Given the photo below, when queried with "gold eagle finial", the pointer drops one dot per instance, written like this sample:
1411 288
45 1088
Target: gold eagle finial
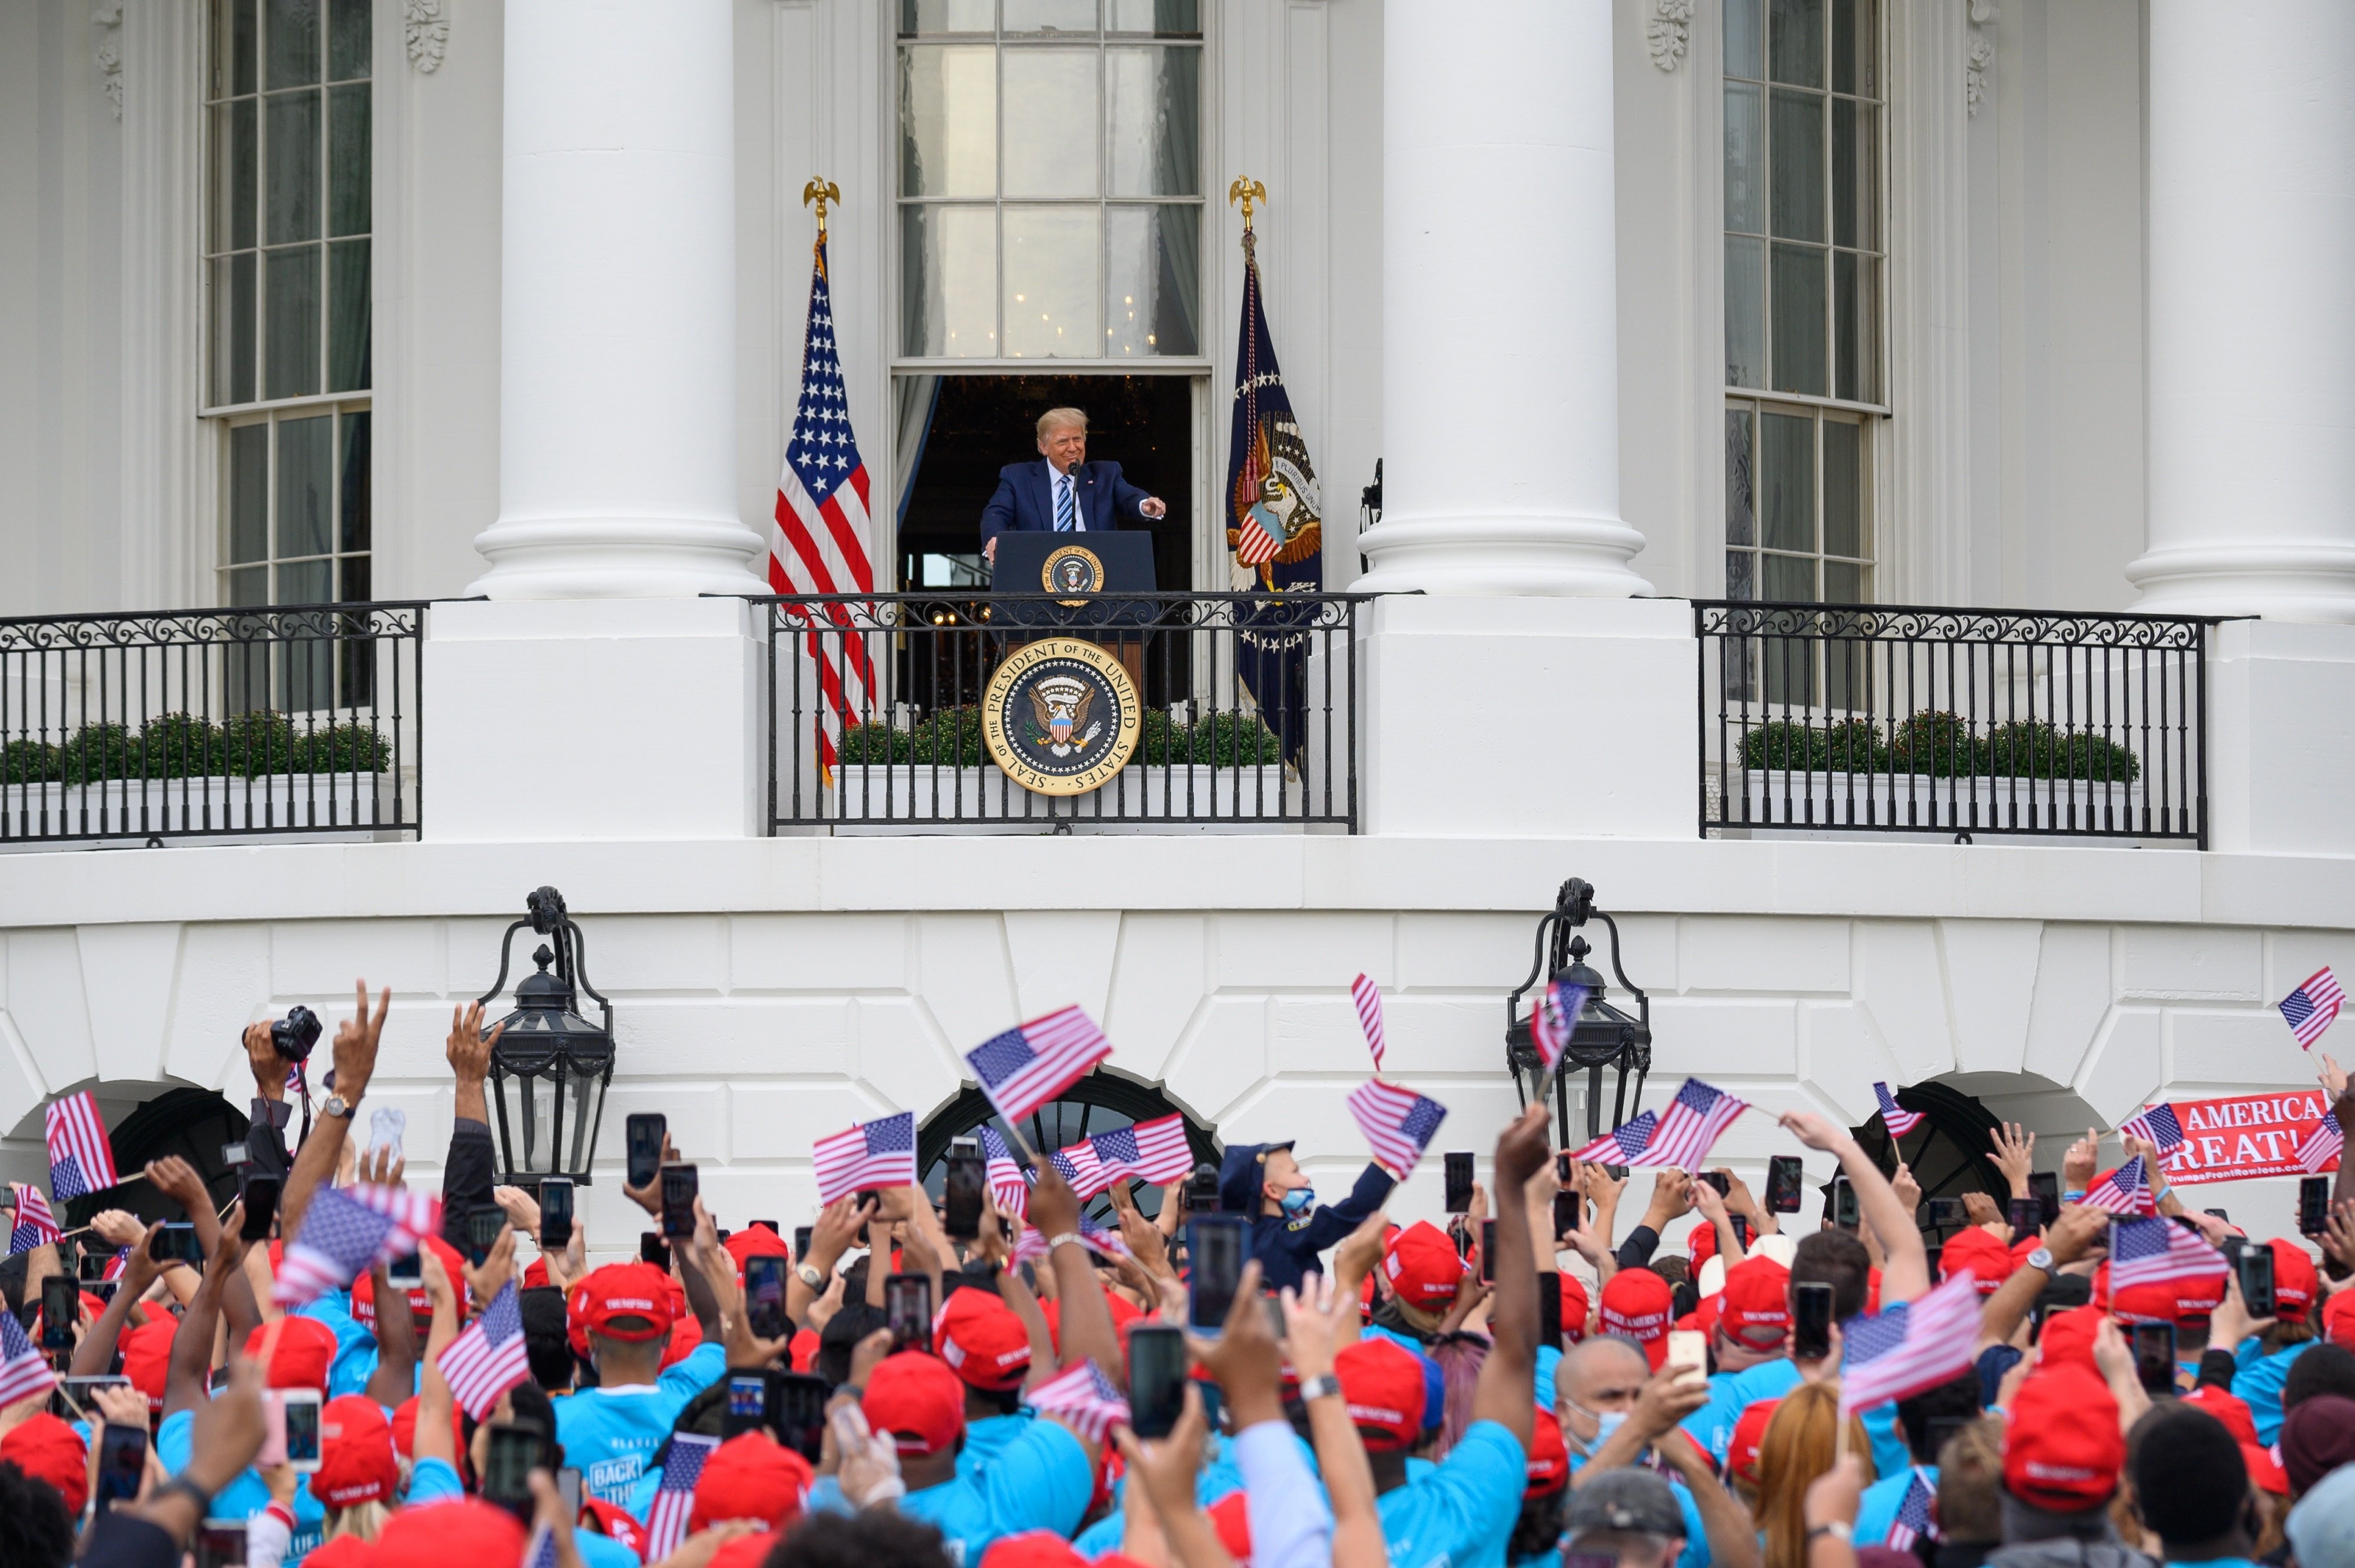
821 191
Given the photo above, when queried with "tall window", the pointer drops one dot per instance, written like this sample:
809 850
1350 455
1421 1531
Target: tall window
1050 185
1803 281
287 286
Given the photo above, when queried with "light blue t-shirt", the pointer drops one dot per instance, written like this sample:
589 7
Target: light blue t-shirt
2259 1382
244 1496
985 1438
1730 1393
609 1434
434 1481
355 1348
1461 1515
1040 1480
1876 1510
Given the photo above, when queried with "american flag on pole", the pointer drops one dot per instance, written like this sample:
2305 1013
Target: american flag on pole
1914 1345
1690 1124
35 1226
1090 1403
1913 1522
118 1263
1008 1187
821 542
489 1358
2156 1125
1368 998
1398 1123
2126 1191
23 1371
1154 1151
2318 1153
1081 1168
2310 1008
82 1159
1895 1117
675 1494
1031 1246
2157 1251
870 1154
1622 1144
348 1229
1031 1063
1553 1018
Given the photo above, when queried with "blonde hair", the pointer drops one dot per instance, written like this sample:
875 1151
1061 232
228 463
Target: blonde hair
1055 418
363 1520
1798 1448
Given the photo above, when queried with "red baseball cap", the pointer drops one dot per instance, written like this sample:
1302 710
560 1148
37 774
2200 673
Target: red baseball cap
420 1305
2227 1407
917 1399
341 1552
1032 1549
49 1450
1872 1290
1422 1266
306 1349
744 1552
2296 1283
1754 1309
750 1475
1700 1244
404 1431
2063 1449
982 1339
755 1240
463 1529
356 1459
1977 1251
2265 1472
147 1357
628 1301
2339 1318
1575 1307
1749 1433
1549 1467
1638 1303
1381 1384
685 1338
535 1274
2068 1337
613 1520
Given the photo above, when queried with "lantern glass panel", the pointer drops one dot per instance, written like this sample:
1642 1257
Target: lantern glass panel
539 1124
584 1091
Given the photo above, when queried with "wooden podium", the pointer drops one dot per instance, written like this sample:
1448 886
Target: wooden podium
1084 571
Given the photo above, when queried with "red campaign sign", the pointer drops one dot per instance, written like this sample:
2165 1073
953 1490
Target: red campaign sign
2241 1136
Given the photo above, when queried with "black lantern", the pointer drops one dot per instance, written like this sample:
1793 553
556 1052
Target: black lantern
1602 1038
550 1067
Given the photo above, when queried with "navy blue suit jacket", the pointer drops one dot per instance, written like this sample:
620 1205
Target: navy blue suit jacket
1026 503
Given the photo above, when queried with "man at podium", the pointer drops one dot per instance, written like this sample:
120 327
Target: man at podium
1063 492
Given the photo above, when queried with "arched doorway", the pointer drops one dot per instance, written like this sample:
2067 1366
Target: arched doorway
1097 1103
188 1122
1949 1153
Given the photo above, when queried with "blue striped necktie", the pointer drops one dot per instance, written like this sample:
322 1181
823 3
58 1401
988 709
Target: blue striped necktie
1064 521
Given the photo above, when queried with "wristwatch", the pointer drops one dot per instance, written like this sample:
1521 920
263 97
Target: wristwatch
1318 1387
2041 1260
337 1106
188 1488
811 1277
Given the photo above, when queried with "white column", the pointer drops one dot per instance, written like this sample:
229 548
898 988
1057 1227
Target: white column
617 339
2252 400
1500 353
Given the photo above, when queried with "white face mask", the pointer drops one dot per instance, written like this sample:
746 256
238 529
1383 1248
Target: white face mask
1607 1422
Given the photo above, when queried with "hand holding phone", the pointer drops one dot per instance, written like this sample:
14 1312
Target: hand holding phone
261 1208
1156 1378
680 1183
908 1311
961 1189
643 1136
1785 1175
1459 1181
1811 1320
60 1310
555 1214
764 1297
1218 1245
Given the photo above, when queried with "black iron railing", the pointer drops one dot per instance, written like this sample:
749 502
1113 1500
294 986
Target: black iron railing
1907 718
1247 710
186 724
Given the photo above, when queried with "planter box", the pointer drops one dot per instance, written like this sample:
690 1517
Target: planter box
1838 803
298 806
903 797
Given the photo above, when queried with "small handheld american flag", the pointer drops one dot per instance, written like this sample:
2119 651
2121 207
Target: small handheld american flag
1914 1345
1368 998
1031 1247
1086 1399
1081 1168
2310 1008
2126 1191
2157 1251
1154 1151
23 1371
2322 1147
1008 1187
489 1358
675 1494
1030 1064
82 1159
871 1154
1553 1020
1398 1123
1895 1117
35 1226
1623 1144
348 1229
1690 1125
1913 1522
2156 1125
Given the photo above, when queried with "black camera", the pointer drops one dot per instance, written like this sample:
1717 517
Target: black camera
293 1035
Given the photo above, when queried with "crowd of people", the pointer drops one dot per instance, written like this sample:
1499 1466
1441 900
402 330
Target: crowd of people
1377 1394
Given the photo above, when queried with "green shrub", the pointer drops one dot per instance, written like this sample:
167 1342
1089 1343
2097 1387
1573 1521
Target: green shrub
1943 745
98 752
183 746
352 748
28 762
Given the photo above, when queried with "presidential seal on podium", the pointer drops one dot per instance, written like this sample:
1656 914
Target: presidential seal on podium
1060 717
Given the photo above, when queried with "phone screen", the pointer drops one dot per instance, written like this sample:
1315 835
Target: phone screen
679 1185
483 1227
2154 1352
2313 1205
2044 1186
801 1243
643 1133
748 1401
764 1297
1688 1348
1550 1309
1844 1211
2025 1216
302 1428
555 1214
122 1463
961 1194
1720 1180
176 1242
507 1472
1565 1213
220 1543
2255 1266
1219 1246
1811 1320
1945 1213
261 1208
1785 1174
405 1272
1740 1223
1157 1379
1459 1183
797 1411
60 1308
908 1311
652 1249
1487 1252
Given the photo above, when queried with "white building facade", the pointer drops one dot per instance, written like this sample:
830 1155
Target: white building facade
499 310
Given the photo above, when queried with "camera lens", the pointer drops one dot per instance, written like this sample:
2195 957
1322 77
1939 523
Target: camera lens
293 1035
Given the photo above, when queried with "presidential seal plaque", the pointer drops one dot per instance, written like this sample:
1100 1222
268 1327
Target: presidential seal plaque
1074 568
1060 717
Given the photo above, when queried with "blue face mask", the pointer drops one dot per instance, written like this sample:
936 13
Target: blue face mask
1299 1201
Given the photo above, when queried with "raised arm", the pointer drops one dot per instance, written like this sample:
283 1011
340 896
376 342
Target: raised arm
1905 1273
95 1354
468 1175
188 1374
355 1052
1086 1316
1507 1377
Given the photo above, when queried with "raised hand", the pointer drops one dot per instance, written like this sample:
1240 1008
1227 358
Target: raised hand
2015 1154
2078 1165
1908 1189
2332 1078
383 1167
649 1197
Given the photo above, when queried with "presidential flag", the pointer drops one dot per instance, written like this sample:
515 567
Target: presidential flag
1914 1345
1622 1144
1690 1125
821 542
348 1229
1031 1063
1895 1117
23 1371
2126 1191
1554 1018
82 1159
869 1154
1080 1167
1009 1185
2321 1148
1913 1522
2310 1008
2156 1125
1088 1401
2160 1251
34 1225
675 1493
489 1358
1398 1123
1369 998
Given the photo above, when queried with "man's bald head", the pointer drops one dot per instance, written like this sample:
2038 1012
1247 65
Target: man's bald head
1606 1362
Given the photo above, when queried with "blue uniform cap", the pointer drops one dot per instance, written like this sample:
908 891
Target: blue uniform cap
1241 1172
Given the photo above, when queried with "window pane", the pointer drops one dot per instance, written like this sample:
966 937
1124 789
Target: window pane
293 189
1844 344
232 312
233 47
348 160
1745 312
348 316
1856 53
249 493
1053 297
353 504
1798 316
1790 577
1787 480
1050 122
1858 319
1150 297
1797 199
1745 159
250 586
1739 500
307 669
1843 488
291 344
1741 575
1795 41
347 40
948 120
1844 583
234 175
947 16
1163 18
306 582
948 281
1051 15
290 34
1153 120
305 474
1746 39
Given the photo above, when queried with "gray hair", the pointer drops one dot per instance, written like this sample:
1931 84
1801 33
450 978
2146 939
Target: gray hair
1056 418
